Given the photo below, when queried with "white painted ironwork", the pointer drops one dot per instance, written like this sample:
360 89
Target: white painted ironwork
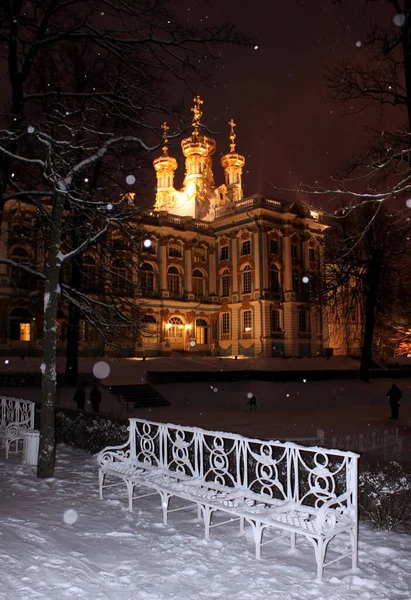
16 419
309 491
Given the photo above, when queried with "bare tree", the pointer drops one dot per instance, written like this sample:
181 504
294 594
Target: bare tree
366 258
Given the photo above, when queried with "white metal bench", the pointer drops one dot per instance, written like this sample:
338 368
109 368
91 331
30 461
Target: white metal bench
269 485
16 420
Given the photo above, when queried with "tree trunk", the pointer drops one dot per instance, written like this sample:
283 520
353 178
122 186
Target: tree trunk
73 324
373 284
45 467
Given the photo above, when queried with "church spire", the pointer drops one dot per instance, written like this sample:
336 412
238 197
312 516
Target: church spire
233 164
165 166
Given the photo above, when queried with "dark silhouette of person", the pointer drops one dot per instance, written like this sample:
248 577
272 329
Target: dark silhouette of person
252 401
394 394
95 399
80 397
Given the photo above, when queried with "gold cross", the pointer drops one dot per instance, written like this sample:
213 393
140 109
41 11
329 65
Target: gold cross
232 135
197 114
165 129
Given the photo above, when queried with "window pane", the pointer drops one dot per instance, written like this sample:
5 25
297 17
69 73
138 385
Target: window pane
224 253
246 248
275 320
225 323
24 332
247 321
247 281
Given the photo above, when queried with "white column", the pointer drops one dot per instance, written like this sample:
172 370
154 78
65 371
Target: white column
257 258
264 245
188 267
234 264
163 266
286 247
212 284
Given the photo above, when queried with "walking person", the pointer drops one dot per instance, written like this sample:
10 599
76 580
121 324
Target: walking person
252 401
95 399
80 397
394 394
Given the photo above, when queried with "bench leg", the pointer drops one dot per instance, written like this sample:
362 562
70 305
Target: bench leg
165 501
130 491
101 477
293 540
354 548
320 547
257 529
242 520
207 514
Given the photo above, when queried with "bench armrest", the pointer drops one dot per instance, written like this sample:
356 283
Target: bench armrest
333 513
112 454
17 429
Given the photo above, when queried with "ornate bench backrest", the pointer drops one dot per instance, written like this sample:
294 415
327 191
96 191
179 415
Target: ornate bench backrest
15 410
283 471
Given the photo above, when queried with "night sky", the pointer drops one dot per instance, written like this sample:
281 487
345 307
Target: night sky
287 128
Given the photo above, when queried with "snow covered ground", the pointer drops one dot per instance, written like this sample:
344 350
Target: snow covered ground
58 540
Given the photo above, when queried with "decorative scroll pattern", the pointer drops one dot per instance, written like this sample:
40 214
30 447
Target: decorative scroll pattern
221 459
148 439
15 410
267 471
180 451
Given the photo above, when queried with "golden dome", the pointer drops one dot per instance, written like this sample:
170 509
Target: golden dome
198 143
232 159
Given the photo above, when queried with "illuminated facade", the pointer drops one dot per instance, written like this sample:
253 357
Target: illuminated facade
224 274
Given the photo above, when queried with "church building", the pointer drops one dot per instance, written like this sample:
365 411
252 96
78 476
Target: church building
225 274
220 274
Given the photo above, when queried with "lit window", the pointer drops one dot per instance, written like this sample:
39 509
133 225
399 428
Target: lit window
201 331
247 321
225 323
176 328
24 332
199 256
246 248
247 280
296 280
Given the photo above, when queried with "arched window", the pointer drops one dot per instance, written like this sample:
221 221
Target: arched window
175 328
275 286
20 325
21 278
247 280
175 251
173 281
201 331
198 284
89 272
225 283
247 321
121 283
147 278
149 327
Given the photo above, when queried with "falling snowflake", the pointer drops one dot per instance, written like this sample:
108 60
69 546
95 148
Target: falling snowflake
130 179
408 203
30 129
192 343
305 279
147 243
358 44
109 207
70 516
101 370
399 19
